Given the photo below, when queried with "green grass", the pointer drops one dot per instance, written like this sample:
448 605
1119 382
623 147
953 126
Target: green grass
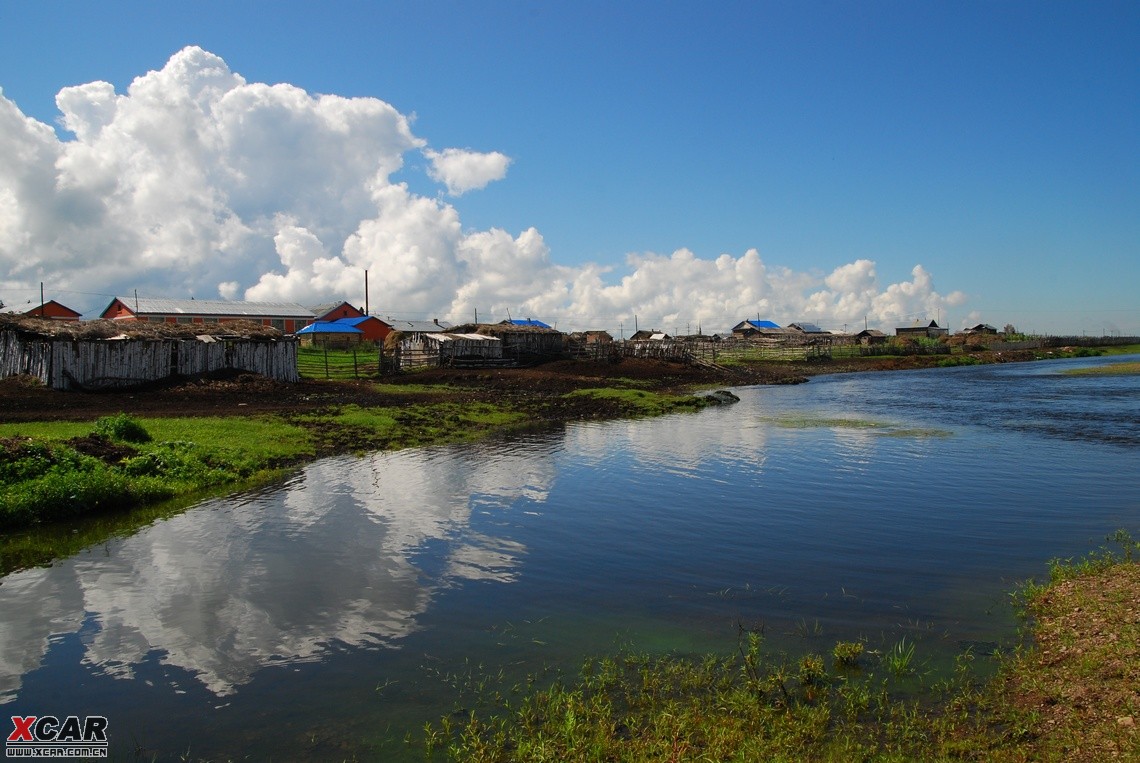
408 426
362 362
637 402
1121 349
43 478
414 389
748 706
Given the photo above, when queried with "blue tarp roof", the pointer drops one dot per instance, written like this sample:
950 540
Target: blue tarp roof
353 321
764 324
527 322
322 327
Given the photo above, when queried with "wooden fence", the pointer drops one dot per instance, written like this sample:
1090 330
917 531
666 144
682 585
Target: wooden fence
362 361
65 363
729 350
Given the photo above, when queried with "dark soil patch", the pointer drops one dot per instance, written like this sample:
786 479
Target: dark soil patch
102 448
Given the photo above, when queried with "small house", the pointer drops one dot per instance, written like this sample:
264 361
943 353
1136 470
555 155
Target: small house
53 310
330 334
525 322
869 337
981 328
807 328
768 330
415 327
921 331
372 328
593 337
334 311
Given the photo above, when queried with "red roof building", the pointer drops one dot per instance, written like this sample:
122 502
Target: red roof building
53 310
334 311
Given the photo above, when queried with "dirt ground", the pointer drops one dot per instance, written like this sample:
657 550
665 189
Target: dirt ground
540 386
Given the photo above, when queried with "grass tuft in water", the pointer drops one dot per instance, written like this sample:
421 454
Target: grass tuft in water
899 659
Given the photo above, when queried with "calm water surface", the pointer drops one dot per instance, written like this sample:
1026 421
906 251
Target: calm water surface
324 617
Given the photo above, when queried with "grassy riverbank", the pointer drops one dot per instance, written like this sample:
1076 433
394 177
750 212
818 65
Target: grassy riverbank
1069 696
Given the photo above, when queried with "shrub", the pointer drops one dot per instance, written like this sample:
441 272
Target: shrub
121 427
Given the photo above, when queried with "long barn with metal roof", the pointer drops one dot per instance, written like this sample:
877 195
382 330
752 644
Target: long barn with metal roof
287 317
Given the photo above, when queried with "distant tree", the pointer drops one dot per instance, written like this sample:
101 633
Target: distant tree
1009 329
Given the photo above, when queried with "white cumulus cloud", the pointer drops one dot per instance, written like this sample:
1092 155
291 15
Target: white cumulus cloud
195 182
463 170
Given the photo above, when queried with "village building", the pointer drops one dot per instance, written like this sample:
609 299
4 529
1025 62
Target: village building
525 322
414 327
329 334
761 329
371 328
807 328
871 336
332 311
592 337
981 328
921 331
286 317
53 310
643 335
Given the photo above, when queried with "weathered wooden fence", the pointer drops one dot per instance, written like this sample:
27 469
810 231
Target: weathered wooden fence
727 351
446 349
601 352
64 363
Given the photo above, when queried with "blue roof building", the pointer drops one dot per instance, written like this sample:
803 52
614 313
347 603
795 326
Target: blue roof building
526 322
325 327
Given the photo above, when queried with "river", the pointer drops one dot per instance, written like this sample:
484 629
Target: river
324 617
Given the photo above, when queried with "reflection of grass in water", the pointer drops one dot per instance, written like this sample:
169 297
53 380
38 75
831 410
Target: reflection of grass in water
1130 368
790 421
882 428
917 432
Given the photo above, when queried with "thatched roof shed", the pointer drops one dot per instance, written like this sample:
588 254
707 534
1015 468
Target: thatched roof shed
105 329
522 342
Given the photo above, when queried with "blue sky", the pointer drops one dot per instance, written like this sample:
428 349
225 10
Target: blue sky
993 144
